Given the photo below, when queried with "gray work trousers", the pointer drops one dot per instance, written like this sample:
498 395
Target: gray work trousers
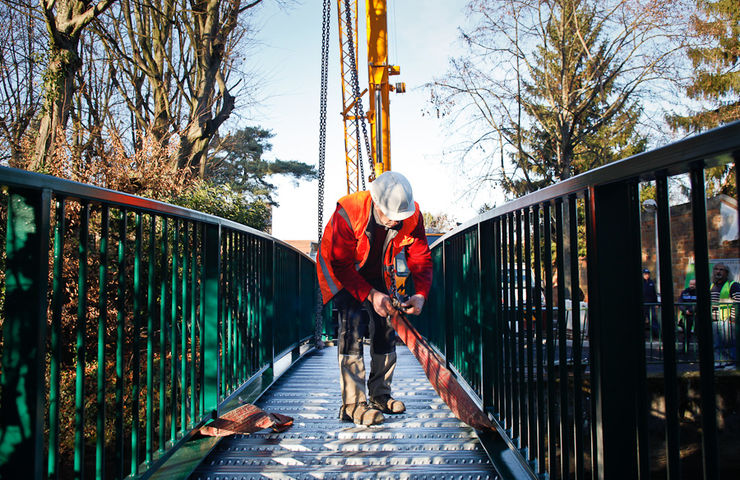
358 321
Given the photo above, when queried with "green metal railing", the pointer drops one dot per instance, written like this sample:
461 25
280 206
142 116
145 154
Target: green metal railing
503 311
127 323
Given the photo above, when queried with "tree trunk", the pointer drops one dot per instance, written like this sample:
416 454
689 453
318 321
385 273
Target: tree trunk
65 20
202 128
211 30
58 96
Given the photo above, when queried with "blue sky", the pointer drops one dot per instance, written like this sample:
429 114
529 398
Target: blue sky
423 34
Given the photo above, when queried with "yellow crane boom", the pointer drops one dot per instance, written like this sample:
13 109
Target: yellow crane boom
348 47
379 88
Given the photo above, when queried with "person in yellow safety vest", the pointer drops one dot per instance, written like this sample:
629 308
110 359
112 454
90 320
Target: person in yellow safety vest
725 295
354 266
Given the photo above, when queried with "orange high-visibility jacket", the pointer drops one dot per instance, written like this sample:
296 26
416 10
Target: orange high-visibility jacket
344 251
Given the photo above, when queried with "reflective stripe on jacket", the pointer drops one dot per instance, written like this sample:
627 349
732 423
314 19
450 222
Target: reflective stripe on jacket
724 308
342 254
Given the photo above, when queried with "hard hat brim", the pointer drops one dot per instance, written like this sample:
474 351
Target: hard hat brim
400 216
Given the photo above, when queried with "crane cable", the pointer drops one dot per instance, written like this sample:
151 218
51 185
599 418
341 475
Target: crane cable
319 324
359 111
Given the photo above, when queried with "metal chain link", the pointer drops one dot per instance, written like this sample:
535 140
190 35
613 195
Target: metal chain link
359 158
319 321
359 112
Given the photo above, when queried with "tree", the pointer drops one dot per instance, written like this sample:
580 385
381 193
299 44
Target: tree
550 89
21 68
95 115
715 57
174 76
143 46
236 185
715 81
210 100
238 163
65 22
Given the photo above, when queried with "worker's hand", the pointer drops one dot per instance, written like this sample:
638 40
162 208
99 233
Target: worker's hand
381 303
414 304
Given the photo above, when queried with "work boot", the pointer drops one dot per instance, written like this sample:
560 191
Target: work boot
387 404
360 414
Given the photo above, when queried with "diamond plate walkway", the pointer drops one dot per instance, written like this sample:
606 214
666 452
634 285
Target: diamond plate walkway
426 441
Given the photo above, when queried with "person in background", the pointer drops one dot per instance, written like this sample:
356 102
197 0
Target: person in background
355 269
725 295
687 305
650 299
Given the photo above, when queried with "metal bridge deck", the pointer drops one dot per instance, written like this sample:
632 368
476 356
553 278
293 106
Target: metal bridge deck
426 441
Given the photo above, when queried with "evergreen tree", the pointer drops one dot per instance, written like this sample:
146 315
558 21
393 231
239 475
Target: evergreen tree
554 87
716 61
236 184
583 119
238 163
716 80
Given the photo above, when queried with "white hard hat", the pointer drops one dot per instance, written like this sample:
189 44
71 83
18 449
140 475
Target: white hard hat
391 192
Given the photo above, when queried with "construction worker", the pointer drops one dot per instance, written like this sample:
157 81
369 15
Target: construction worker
355 269
725 295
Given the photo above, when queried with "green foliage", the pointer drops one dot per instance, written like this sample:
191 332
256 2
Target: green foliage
236 185
225 202
238 163
716 62
648 192
52 80
716 79
721 179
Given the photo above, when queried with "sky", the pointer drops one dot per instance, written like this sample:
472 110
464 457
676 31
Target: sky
423 35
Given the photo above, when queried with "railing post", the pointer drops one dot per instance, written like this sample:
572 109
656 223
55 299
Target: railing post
487 310
296 352
211 372
24 335
703 326
736 155
449 305
270 311
617 327
668 326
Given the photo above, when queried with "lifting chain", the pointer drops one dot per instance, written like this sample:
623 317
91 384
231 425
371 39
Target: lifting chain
319 325
359 112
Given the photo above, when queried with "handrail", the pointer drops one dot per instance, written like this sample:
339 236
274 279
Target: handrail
14 177
575 408
128 322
